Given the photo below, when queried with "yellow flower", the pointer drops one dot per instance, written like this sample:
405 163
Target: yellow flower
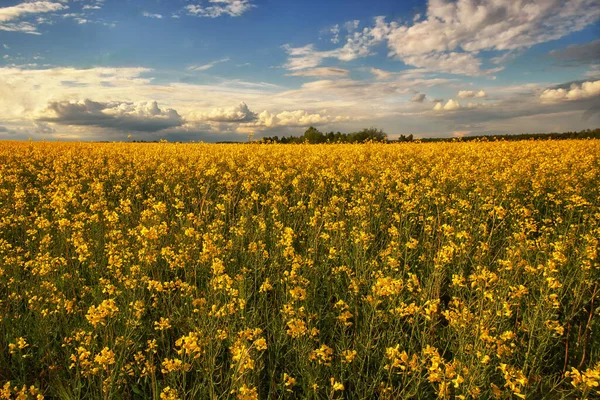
98 315
169 394
266 286
348 356
336 386
173 365
105 358
387 286
162 324
247 393
260 344
20 343
288 381
296 328
322 355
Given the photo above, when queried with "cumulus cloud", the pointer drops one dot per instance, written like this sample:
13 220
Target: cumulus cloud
469 94
574 92
476 25
418 98
239 113
321 72
451 105
469 26
123 116
217 8
578 54
297 118
205 67
454 32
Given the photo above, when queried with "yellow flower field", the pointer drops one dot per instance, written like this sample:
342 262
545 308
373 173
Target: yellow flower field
254 271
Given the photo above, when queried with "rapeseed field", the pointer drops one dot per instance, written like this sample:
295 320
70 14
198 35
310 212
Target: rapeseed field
255 271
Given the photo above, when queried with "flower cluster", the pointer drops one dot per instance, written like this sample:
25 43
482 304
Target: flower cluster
247 271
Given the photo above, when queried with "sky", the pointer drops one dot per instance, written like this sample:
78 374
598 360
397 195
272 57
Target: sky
230 70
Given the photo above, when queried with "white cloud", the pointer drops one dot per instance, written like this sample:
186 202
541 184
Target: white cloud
476 25
241 120
28 90
469 94
321 72
451 63
335 32
453 34
205 67
35 7
149 15
206 109
357 45
123 116
451 105
303 57
381 74
8 15
508 56
297 118
239 113
233 8
351 26
575 92
24 27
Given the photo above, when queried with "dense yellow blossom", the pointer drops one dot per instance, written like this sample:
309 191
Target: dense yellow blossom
389 271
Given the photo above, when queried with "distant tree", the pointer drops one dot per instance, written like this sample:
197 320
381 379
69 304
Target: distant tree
369 134
313 135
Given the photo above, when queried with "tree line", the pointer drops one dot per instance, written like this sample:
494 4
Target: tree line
313 135
584 134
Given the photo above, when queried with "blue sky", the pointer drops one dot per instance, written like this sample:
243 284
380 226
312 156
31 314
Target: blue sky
215 70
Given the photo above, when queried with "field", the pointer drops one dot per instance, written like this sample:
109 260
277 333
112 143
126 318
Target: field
371 271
